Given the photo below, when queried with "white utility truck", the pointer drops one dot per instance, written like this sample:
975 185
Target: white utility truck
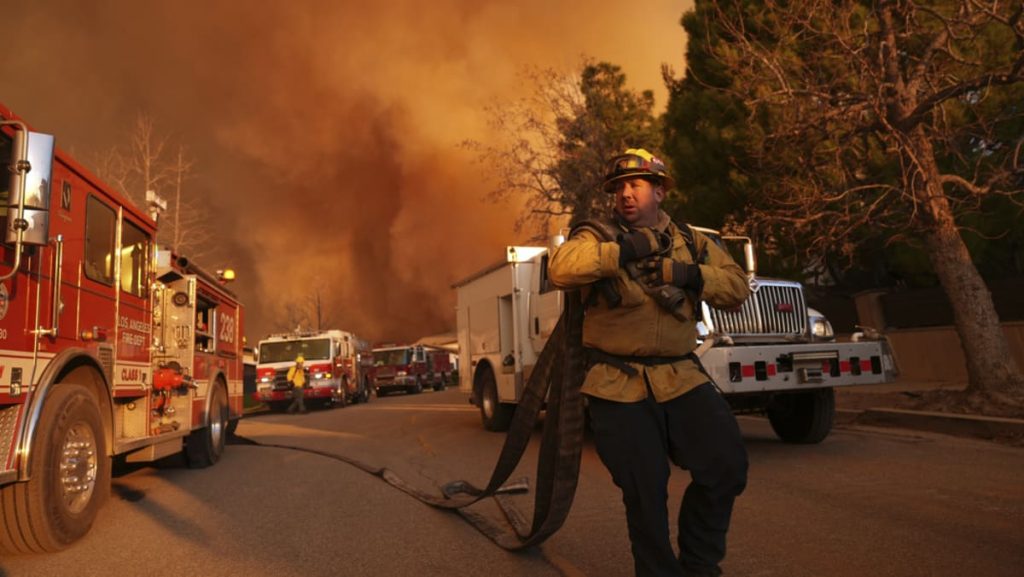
773 355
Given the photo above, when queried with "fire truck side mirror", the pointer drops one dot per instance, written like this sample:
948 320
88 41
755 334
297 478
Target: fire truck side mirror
28 205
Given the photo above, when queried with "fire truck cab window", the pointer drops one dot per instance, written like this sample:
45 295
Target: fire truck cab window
286 351
391 357
99 242
205 325
134 252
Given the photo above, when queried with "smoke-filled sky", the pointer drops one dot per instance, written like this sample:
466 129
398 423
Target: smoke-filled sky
325 132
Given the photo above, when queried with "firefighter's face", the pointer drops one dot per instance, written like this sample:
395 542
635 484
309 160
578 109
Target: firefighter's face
637 201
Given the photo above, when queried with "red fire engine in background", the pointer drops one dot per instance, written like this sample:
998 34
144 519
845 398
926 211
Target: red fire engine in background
409 368
337 366
107 345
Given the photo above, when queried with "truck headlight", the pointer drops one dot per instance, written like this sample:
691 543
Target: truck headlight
820 327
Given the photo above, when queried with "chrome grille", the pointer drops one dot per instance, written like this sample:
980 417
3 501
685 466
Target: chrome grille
777 308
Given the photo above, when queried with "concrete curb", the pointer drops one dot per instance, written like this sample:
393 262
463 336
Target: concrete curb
945 423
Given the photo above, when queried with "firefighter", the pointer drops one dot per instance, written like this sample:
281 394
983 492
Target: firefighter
297 379
642 277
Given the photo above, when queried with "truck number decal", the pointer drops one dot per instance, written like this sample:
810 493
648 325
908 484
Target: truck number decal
227 328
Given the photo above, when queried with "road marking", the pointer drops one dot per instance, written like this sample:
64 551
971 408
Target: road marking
428 408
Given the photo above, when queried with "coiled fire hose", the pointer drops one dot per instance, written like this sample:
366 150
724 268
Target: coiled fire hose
556 379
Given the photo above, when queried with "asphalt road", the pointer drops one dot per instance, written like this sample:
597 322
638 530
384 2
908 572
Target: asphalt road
864 502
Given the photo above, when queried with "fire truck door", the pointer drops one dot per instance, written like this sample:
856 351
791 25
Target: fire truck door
34 291
35 288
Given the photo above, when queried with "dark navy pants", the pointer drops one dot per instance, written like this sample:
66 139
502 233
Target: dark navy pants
698 432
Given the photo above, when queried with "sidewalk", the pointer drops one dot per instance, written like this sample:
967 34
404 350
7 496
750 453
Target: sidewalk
898 405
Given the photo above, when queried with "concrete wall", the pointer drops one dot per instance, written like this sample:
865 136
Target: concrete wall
930 353
935 354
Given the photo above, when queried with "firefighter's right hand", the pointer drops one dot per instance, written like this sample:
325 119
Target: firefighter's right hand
641 243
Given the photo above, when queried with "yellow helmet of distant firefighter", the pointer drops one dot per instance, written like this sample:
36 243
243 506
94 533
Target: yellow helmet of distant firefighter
636 162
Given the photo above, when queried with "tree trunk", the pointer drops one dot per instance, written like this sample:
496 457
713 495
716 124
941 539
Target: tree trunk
991 369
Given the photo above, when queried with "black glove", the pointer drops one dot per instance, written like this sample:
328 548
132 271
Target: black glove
658 270
640 243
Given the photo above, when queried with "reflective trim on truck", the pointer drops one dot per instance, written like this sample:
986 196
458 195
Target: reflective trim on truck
761 370
738 369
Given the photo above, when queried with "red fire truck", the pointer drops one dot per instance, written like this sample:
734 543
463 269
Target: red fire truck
108 347
409 368
337 366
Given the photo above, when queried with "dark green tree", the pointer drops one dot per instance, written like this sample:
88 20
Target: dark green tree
868 123
706 133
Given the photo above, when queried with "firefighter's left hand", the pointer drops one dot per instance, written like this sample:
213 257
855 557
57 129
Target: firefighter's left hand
656 271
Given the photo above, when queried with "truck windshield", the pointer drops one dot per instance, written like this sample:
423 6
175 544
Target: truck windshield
310 349
391 357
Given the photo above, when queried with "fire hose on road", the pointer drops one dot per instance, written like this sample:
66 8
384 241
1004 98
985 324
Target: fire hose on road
554 385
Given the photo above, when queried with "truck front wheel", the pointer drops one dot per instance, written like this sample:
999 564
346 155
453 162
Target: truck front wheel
497 416
805 417
204 447
70 477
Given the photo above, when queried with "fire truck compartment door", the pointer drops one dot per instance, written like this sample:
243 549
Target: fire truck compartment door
178 326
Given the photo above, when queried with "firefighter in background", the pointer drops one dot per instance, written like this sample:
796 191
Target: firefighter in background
297 379
642 278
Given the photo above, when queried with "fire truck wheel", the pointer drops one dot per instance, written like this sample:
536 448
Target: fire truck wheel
497 416
70 477
343 399
205 446
366 391
417 388
805 417
439 383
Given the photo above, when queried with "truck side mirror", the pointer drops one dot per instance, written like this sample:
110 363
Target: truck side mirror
28 206
750 261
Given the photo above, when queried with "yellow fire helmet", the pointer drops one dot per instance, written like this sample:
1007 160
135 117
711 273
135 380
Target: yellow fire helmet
636 162
300 359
